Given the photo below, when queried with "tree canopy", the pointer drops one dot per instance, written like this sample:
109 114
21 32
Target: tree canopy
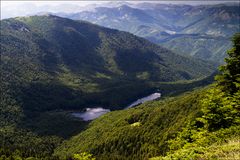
229 80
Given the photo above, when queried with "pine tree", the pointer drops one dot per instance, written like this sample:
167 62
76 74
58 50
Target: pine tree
222 104
229 80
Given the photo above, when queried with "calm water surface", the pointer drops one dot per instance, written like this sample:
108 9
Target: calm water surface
93 113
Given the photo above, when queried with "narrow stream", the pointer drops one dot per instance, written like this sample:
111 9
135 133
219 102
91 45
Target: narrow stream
93 113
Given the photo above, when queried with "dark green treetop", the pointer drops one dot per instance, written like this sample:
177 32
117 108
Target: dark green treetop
229 80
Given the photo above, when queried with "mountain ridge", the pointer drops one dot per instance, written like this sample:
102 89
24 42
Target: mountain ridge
211 20
53 66
82 60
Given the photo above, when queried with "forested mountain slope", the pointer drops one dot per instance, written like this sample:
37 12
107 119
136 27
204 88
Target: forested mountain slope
40 58
203 124
137 133
52 65
151 130
202 31
47 57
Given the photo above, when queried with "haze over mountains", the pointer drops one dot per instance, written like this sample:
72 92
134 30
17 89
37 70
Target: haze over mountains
202 31
197 30
54 66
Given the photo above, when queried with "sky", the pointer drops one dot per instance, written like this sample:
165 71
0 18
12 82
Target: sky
25 8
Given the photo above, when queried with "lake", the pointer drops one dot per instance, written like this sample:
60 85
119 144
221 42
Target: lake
93 113
144 99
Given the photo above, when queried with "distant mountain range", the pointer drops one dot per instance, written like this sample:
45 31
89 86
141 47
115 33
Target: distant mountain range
201 31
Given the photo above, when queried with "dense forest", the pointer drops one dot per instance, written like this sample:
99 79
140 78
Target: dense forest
51 57
51 66
203 124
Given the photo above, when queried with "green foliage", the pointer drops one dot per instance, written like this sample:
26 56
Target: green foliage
23 143
227 150
219 119
83 156
208 47
220 144
222 104
185 127
51 64
220 110
217 122
47 57
137 133
229 80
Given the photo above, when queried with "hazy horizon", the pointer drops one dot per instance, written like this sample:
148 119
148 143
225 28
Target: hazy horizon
11 9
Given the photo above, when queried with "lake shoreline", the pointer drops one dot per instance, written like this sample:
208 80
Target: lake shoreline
95 112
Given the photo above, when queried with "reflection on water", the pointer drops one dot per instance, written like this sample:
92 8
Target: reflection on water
93 113
145 99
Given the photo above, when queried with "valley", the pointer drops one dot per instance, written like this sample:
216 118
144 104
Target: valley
120 81
93 113
52 65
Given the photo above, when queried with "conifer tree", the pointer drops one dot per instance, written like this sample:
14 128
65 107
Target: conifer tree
222 104
229 80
